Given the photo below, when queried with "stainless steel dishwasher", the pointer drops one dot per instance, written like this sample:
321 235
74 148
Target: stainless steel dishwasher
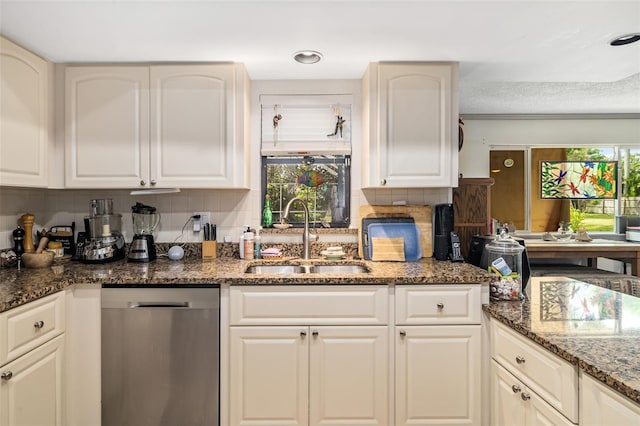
160 356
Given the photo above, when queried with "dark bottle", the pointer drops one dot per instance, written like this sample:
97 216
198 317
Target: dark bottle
267 214
18 244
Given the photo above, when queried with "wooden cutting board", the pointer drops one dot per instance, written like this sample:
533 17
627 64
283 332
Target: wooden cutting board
420 214
388 249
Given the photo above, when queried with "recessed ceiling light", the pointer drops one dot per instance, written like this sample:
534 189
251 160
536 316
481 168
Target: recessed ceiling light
307 56
625 39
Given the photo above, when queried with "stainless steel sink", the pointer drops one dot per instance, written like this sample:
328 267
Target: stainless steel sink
340 269
307 269
275 269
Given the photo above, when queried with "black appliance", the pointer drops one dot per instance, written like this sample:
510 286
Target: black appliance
476 251
443 226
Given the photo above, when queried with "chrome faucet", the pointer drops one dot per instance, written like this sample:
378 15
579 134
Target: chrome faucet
306 236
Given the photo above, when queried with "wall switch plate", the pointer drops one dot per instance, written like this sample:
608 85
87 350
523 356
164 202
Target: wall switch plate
198 224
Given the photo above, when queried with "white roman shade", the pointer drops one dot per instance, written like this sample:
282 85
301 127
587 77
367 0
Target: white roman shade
306 125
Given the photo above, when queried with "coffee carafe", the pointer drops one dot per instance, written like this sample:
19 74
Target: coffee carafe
145 221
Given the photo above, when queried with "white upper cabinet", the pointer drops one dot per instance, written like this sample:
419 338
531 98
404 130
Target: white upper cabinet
156 127
107 126
24 117
410 121
192 122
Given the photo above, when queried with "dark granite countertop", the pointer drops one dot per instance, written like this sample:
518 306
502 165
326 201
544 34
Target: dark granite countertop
592 327
20 287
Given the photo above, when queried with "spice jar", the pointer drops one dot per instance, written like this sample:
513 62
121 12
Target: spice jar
56 248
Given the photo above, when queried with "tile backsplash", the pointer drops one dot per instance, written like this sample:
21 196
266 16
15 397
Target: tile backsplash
229 209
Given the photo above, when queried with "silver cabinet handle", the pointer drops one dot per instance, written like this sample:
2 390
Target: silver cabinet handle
39 324
153 182
515 388
303 333
143 183
6 375
520 360
383 182
403 333
525 396
315 333
440 305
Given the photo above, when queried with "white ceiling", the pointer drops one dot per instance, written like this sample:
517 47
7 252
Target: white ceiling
515 56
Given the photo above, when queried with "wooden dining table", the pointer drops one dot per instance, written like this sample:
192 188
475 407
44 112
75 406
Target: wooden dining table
626 251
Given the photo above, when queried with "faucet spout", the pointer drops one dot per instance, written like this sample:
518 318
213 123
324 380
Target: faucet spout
306 236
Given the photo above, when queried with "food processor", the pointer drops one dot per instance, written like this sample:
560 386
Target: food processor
145 221
104 242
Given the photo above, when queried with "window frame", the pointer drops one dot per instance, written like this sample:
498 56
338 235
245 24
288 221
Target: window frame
319 159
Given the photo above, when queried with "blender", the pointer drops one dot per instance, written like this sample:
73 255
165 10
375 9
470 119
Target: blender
145 221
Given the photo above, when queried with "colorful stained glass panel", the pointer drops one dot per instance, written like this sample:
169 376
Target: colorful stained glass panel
579 179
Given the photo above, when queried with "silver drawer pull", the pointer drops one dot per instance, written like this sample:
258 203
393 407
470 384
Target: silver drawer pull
38 324
440 305
520 360
525 396
403 333
515 388
6 375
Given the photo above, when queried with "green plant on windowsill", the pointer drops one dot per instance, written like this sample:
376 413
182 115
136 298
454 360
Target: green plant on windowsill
576 219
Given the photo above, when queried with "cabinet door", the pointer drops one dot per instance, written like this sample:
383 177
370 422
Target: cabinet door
437 375
507 408
269 376
24 135
31 387
192 125
348 376
600 405
513 404
548 375
414 134
107 127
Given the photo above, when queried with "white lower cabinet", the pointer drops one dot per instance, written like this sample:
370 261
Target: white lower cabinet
514 404
295 363
437 375
309 375
530 385
31 390
437 365
599 405
31 359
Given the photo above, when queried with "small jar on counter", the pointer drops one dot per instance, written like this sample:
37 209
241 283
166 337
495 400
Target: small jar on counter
56 248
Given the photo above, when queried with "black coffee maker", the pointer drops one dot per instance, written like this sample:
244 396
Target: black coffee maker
145 221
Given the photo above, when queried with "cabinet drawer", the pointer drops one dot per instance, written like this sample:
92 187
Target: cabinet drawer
438 304
28 326
552 378
309 305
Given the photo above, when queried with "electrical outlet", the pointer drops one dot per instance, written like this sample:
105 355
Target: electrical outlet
205 217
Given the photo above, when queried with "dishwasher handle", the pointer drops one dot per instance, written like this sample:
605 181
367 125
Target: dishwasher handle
159 304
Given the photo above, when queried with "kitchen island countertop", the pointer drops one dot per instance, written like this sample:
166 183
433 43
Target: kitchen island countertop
594 328
20 287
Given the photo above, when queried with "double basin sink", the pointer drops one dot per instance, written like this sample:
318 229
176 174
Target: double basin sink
282 269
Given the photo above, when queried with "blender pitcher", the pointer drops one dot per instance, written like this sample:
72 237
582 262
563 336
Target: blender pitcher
145 219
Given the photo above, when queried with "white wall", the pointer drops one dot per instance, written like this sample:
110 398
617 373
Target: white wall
482 134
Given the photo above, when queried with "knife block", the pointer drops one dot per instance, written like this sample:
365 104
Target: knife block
209 249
